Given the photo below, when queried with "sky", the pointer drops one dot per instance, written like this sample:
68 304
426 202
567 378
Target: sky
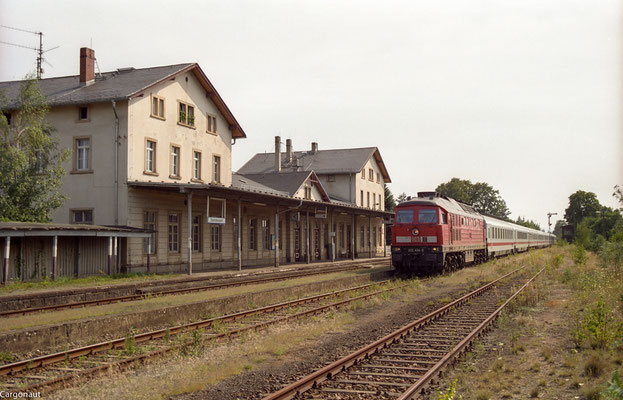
525 95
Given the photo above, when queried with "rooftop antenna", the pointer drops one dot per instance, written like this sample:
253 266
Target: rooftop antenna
39 50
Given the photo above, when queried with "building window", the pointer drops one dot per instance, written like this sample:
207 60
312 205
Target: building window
363 173
308 192
362 238
361 198
83 154
211 124
252 244
216 165
371 175
187 115
380 236
374 237
266 234
196 231
82 217
197 165
149 224
374 200
174 233
235 222
368 198
83 113
157 107
378 178
215 237
330 178
150 156
342 236
175 161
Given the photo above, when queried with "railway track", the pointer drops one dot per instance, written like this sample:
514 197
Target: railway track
52 371
402 364
213 286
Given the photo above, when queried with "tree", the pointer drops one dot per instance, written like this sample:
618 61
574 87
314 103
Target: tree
390 203
30 160
558 227
581 205
527 223
401 197
483 197
618 194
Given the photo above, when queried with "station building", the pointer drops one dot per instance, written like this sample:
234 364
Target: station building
152 149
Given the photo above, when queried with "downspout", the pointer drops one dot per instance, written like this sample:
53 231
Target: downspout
114 109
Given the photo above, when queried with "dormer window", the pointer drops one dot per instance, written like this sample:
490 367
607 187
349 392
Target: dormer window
83 113
186 115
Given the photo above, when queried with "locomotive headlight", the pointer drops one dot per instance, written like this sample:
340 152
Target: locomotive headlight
415 232
396 248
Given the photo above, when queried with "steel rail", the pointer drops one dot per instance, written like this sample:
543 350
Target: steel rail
129 362
463 344
342 364
142 296
49 359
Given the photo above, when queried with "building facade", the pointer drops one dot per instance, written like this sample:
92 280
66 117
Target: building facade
151 148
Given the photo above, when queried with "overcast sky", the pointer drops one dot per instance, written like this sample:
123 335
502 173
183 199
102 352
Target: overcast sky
525 95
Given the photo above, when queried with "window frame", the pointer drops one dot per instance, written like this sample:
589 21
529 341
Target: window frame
74 211
197 233
371 174
187 117
173 238
211 122
196 169
79 118
253 234
216 168
146 169
161 108
76 159
154 240
172 171
215 241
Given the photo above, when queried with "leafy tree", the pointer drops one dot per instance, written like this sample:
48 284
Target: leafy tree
401 197
390 203
618 193
581 205
528 223
558 227
30 160
483 197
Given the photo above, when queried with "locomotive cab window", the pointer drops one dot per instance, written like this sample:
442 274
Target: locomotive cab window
404 216
427 217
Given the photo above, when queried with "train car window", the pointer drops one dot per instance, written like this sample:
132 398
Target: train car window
404 216
427 216
444 218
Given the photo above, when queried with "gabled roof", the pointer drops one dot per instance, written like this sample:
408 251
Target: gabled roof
338 161
246 183
289 182
123 84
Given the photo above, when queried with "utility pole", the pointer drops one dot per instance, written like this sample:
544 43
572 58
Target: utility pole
549 221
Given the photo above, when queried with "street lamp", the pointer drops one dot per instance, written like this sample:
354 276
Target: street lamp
549 222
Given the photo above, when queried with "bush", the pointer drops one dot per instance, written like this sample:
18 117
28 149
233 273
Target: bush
579 255
611 254
599 328
615 387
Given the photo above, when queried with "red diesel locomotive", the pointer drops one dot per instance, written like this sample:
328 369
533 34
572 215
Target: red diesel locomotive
436 233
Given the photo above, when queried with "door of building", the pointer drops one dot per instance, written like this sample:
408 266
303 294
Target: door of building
316 241
348 243
297 242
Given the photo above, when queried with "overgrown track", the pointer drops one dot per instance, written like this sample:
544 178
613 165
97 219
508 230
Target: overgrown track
60 369
232 282
402 364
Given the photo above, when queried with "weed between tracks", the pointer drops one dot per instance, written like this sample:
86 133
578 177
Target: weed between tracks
561 339
208 363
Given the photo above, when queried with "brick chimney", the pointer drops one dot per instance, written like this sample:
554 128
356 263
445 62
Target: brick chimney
289 151
87 65
314 148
